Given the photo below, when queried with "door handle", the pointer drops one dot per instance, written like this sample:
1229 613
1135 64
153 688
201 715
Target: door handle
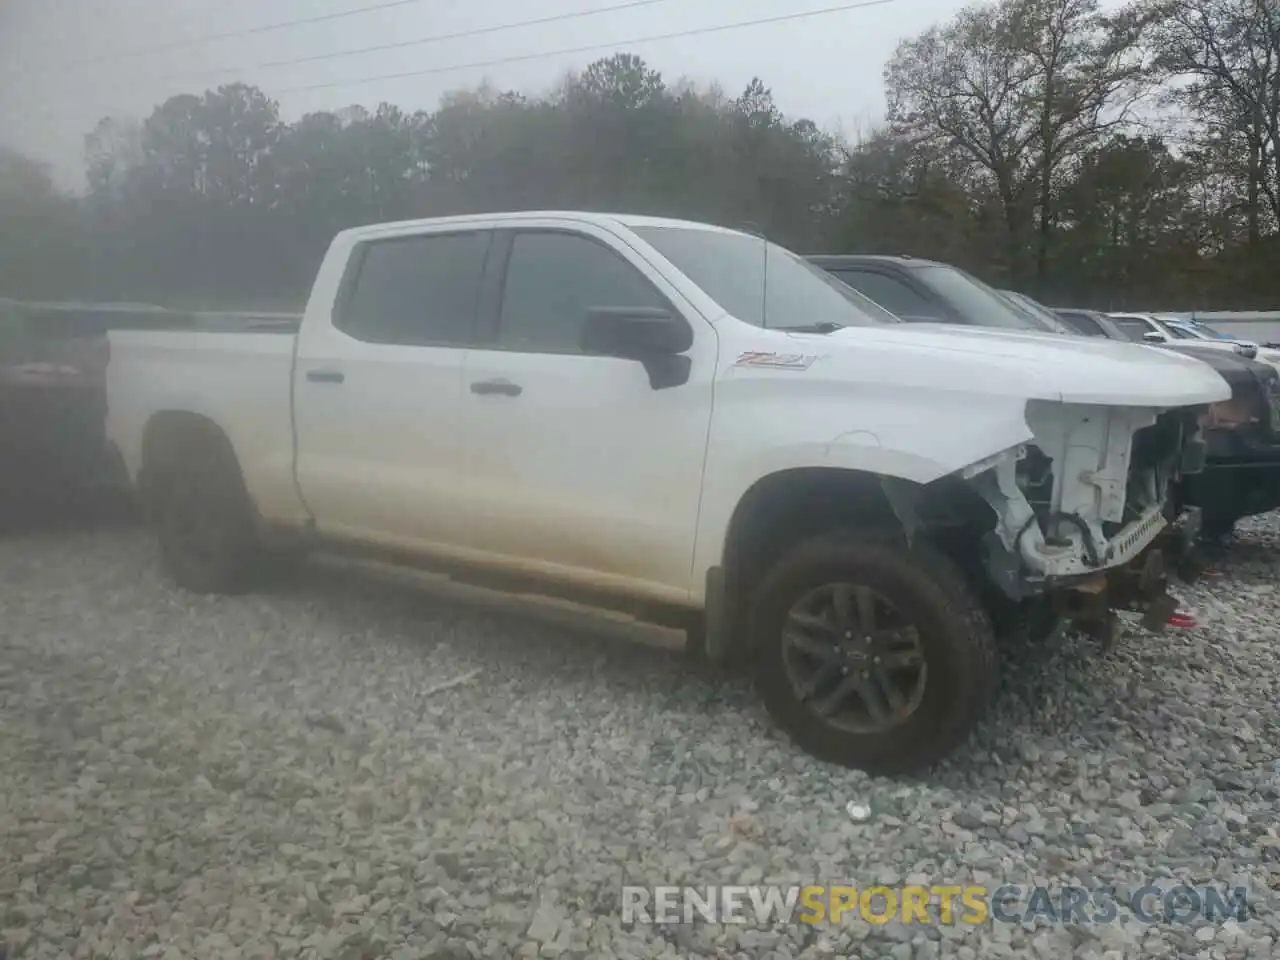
498 386
325 376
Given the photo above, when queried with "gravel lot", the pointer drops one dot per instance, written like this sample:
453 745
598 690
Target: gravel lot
275 776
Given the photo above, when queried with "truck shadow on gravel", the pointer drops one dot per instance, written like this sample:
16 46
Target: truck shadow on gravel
62 513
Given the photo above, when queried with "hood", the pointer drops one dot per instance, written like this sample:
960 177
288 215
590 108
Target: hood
1269 354
1236 347
1041 366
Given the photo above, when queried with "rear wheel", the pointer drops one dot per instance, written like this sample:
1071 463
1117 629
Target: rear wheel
871 653
202 515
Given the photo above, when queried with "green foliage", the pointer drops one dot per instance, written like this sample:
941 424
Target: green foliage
1012 149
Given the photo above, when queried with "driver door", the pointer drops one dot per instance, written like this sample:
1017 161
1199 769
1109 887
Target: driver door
579 468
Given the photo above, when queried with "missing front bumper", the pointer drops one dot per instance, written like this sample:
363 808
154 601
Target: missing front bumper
1140 585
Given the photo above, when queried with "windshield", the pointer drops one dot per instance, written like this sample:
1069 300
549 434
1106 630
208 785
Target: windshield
1083 323
1043 313
978 303
729 267
1133 328
1202 330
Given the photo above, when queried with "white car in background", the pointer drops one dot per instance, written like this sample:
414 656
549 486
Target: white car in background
1153 329
1199 330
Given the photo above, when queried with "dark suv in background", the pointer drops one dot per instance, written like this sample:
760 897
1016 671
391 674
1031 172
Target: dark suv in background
925 291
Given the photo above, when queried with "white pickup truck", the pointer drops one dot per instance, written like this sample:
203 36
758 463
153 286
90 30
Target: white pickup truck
684 422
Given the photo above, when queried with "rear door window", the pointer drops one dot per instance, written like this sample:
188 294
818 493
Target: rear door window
421 290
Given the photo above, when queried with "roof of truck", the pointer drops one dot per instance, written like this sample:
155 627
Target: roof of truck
526 216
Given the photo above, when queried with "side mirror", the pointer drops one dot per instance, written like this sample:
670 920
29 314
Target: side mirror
635 333
1152 337
654 337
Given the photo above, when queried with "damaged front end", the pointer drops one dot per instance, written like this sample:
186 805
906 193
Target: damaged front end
1086 514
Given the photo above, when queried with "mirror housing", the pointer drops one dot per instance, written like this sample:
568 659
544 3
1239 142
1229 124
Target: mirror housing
656 338
1152 337
635 333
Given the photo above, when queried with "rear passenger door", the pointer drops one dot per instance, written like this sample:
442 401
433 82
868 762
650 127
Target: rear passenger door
377 393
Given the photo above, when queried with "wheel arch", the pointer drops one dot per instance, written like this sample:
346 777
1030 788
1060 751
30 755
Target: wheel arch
787 506
170 433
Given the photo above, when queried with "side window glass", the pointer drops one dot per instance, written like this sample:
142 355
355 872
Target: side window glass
417 290
553 280
894 295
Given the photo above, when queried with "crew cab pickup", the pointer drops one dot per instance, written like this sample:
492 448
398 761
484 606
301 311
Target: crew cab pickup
685 422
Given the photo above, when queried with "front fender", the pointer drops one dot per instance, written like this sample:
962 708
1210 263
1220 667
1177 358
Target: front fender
907 442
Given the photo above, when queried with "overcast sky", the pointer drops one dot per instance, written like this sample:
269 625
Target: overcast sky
66 63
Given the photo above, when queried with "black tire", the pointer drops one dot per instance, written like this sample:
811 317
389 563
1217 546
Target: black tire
1216 526
955 639
202 514
1032 621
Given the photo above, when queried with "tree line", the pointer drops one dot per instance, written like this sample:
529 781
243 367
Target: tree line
1108 159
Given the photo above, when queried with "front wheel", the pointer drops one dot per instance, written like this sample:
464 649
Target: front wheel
871 653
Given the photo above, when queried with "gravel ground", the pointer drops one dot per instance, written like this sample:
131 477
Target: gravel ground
284 775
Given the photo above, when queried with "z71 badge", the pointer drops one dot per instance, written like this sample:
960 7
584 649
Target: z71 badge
785 361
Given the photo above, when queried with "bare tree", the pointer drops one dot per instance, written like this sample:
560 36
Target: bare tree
1023 88
1222 61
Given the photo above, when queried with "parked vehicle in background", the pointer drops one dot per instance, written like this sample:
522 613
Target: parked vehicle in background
929 292
1241 477
1199 331
1149 328
1190 336
1040 311
53 359
683 422
1091 323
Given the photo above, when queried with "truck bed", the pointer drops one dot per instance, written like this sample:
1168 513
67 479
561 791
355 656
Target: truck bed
240 381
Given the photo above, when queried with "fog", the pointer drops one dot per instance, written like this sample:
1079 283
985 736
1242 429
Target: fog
68 63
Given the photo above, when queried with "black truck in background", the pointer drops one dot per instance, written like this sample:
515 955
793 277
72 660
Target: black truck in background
55 462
